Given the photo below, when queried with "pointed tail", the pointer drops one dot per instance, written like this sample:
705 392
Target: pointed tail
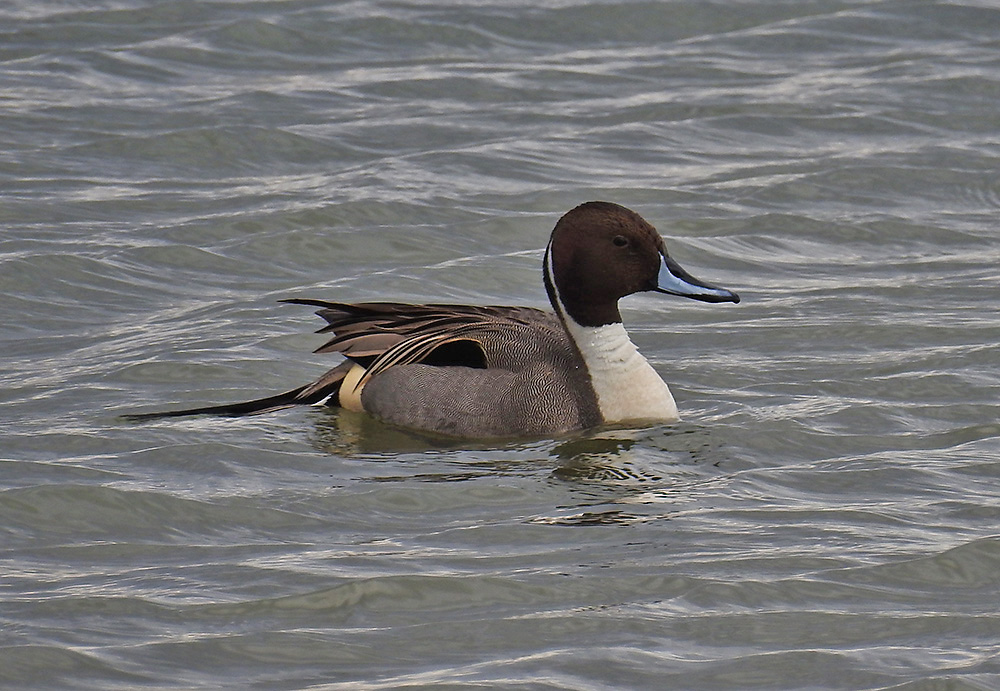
260 405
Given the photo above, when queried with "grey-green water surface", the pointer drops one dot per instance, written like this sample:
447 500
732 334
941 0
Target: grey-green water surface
827 516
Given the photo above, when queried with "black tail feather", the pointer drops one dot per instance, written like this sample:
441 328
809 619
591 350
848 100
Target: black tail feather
260 405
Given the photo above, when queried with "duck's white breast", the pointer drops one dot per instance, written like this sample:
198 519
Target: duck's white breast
627 386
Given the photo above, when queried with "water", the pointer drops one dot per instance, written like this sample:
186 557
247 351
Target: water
826 516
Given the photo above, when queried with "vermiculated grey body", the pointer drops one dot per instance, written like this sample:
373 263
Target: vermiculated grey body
534 382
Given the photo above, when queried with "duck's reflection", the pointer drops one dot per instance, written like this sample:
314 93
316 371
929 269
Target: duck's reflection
602 464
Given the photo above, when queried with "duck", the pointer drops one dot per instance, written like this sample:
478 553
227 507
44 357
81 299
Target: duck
506 371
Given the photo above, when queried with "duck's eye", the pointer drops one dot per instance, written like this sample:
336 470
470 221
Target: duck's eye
620 241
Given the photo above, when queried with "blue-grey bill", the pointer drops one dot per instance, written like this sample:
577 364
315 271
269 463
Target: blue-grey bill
674 280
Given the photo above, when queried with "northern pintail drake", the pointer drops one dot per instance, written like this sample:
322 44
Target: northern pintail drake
482 372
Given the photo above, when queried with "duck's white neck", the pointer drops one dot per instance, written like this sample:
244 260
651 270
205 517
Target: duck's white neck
627 386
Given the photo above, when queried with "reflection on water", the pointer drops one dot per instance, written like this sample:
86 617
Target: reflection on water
611 455
615 475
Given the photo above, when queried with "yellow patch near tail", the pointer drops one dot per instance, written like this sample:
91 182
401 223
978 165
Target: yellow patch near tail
350 392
